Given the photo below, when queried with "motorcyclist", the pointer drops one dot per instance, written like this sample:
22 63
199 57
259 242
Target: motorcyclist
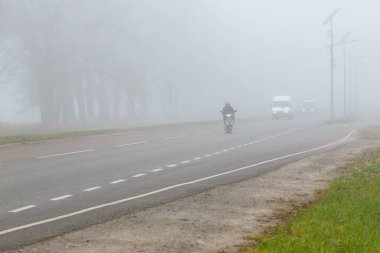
228 109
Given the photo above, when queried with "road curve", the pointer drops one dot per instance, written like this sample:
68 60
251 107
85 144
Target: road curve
52 187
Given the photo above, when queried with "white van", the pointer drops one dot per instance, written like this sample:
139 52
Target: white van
282 107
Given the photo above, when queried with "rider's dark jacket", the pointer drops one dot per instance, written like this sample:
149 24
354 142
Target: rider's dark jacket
228 109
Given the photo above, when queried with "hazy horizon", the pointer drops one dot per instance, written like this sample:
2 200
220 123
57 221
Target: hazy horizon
187 58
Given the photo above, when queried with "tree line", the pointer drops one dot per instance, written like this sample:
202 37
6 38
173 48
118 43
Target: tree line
71 61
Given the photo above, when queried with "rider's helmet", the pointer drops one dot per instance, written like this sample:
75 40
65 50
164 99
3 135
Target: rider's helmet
227 104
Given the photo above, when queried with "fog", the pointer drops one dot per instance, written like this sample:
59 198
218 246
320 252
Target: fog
159 61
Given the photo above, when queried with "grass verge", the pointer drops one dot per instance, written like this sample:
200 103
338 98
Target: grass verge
29 138
20 138
346 218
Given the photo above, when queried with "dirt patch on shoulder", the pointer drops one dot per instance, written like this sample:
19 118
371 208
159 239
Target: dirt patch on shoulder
218 220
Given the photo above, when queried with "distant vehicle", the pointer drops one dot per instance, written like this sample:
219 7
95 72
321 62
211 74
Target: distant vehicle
282 107
309 107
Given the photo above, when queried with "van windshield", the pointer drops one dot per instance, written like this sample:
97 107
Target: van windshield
281 104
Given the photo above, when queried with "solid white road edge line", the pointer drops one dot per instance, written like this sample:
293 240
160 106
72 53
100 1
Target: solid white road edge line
86 210
22 209
68 153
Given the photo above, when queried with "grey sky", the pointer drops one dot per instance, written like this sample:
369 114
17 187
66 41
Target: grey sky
250 50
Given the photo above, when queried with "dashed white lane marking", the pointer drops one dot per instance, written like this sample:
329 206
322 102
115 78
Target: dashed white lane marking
92 189
217 153
184 162
131 144
240 146
139 175
61 197
197 158
22 209
232 148
172 165
68 153
118 181
225 150
206 156
156 170
86 210
175 137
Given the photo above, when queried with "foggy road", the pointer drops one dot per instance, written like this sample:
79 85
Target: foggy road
90 65
51 187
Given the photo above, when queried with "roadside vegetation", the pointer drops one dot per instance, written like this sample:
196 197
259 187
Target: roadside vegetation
20 138
44 137
342 120
371 133
346 218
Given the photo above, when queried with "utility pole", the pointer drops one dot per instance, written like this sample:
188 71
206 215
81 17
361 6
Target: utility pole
345 79
329 20
356 87
350 83
331 70
344 42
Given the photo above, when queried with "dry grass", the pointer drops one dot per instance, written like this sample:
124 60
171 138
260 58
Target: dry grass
371 133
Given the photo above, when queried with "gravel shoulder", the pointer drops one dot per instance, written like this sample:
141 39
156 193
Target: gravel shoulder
218 220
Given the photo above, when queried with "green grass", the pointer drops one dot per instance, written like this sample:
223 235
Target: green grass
29 138
345 219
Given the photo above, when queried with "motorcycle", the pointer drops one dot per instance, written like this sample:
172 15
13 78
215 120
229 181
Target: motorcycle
229 121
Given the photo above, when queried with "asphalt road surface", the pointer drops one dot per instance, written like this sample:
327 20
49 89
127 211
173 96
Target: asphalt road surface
48 188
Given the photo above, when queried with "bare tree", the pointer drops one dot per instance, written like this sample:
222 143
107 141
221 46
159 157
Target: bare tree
78 65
